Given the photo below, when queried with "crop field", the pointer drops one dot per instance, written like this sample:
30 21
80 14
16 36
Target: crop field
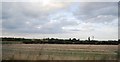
59 52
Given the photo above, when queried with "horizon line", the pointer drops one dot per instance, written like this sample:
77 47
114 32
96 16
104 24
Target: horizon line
62 38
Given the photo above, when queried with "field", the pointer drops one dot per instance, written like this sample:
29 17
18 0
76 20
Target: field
59 52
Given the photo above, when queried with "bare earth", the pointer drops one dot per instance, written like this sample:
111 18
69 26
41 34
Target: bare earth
59 52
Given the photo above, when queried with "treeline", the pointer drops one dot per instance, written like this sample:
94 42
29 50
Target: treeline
60 41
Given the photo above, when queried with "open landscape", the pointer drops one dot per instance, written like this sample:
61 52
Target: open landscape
60 30
59 52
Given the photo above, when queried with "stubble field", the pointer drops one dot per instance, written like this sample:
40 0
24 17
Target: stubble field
59 52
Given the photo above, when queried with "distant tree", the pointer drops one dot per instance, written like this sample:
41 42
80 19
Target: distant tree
69 39
74 39
88 38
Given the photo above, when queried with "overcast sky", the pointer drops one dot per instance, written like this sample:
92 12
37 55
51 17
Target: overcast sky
60 19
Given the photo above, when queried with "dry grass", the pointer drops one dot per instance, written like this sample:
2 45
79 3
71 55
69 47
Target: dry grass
59 52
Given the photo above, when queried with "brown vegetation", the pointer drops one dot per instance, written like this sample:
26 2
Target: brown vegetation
59 52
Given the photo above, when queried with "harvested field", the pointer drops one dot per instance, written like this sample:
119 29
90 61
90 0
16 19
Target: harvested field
59 52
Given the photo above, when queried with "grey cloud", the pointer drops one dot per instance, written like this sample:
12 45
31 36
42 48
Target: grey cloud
102 19
22 17
91 10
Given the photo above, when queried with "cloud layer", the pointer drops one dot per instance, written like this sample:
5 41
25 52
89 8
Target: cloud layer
61 18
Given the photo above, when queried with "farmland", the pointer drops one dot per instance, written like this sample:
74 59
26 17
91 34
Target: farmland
59 52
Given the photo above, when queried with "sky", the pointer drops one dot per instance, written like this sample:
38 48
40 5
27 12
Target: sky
60 20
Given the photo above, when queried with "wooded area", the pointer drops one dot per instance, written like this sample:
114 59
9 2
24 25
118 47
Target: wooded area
60 41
